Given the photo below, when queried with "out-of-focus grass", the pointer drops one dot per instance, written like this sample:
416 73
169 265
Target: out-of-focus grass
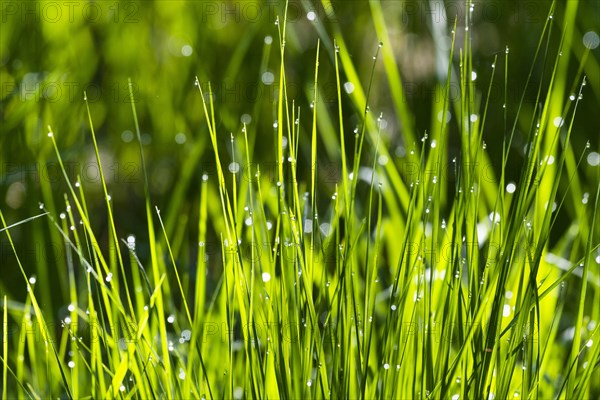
405 210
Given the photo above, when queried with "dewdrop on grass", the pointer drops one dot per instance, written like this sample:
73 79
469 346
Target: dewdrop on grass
234 167
349 87
266 277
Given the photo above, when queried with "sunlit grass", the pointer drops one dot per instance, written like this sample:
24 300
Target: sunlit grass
440 284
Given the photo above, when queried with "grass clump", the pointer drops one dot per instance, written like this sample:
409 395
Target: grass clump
446 281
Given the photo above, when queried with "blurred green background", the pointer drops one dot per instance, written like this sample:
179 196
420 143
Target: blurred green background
53 51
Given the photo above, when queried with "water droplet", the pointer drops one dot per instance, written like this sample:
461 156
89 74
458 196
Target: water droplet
591 40
558 122
386 366
348 87
393 307
309 383
71 364
234 167
268 78
186 50
108 277
511 187
266 277
32 280
494 217
440 115
171 319
131 241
